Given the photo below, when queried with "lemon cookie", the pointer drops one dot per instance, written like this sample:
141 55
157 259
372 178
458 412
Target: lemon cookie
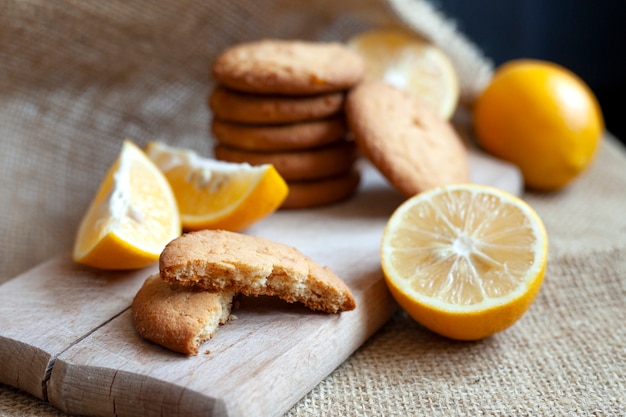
176 317
414 148
301 165
219 260
316 193
290 67
284 137
233 106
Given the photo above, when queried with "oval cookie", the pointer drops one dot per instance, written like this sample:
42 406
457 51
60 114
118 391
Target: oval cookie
307 164
285 137
290 67
410 145
233 106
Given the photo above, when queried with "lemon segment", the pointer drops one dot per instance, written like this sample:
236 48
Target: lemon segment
214 194
131 218
410 63
466 261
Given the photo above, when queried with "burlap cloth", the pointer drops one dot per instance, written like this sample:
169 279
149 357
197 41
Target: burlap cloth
77 77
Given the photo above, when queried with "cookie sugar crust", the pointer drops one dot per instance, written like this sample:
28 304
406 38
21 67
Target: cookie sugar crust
410 145
290 67
219 260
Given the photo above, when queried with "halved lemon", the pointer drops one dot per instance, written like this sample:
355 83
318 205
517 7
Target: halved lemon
131 218
214 194
465 261
411 63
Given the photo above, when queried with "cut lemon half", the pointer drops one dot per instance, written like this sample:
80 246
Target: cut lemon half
465 261
131 218
411 63
214 194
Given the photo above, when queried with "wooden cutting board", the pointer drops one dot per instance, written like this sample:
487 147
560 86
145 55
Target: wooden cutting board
66 335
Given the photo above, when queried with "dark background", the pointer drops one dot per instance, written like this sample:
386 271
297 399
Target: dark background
586 36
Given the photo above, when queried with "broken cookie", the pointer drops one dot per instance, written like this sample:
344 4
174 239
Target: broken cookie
218 260
176 317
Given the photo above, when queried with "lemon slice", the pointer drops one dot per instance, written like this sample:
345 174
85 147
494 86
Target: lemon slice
411 63
131 218
214 194
465 261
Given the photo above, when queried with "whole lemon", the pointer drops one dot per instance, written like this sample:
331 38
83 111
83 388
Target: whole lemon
541 117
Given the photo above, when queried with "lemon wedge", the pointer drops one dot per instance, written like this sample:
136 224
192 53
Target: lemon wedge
411 63
131 218
214 194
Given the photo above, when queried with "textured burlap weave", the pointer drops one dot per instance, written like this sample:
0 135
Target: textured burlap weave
77 77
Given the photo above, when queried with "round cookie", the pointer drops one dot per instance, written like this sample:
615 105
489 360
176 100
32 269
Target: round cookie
176 317
232 106
285 137
315 193
301 165
410 145
289 67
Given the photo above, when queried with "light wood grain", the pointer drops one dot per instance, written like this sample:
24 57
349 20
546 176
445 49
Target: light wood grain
258 365
484 169
48 309
264 361
66 333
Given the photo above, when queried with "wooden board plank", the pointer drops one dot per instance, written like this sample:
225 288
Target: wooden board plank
261 363
49 308
487 170
258 365
66 335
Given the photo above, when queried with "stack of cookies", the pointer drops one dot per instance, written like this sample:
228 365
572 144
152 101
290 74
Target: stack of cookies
282 102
